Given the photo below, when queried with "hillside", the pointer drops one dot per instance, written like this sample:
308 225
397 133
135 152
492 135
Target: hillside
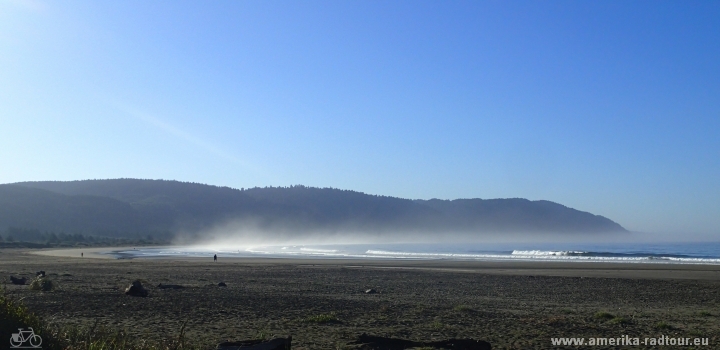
131 207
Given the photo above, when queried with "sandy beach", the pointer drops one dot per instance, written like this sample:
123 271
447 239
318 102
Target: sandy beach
322 302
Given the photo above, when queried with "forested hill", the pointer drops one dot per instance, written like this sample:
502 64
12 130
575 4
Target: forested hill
132 207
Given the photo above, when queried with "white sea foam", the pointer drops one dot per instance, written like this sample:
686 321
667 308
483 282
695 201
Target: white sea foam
639 254
547 252
543 255
419 255
319 250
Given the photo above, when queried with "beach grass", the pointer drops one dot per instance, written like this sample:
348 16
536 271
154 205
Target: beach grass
323 318
604 315
14 316
619 320
662 325
463 308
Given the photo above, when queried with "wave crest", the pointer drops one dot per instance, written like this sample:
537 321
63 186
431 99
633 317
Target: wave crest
550 252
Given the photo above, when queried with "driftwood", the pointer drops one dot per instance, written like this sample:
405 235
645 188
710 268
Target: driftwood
16 280
257 344
370 342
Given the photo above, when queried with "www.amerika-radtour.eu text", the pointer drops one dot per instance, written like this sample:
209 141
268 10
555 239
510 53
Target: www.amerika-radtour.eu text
627 340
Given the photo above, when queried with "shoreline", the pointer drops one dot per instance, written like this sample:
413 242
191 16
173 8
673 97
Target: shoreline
577 268
88 252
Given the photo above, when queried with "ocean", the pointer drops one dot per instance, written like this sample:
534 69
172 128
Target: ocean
659 253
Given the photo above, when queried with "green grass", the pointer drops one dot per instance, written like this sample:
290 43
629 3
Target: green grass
663 326
556 320
14 315
610 318
101 338
463 308
620 320
705 313
696 333
323 318
263 334
603 315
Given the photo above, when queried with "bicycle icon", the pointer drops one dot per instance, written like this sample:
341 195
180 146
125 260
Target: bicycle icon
22 336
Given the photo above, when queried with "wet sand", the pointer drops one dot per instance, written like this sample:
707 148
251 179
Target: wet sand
513 305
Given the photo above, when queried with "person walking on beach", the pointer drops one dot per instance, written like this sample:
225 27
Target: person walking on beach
215 257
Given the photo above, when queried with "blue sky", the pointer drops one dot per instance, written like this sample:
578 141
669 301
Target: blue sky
610 107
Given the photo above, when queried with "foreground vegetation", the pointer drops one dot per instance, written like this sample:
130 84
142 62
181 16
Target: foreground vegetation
14 315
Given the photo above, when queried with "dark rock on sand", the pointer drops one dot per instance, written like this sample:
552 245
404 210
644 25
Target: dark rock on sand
16 280
136 289
370 291
222 284
369 342
257 344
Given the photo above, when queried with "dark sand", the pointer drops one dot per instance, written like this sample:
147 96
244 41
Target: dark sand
513 305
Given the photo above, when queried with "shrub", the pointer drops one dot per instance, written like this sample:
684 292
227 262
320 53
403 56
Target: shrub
42 284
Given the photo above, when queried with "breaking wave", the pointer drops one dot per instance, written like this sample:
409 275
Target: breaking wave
640 254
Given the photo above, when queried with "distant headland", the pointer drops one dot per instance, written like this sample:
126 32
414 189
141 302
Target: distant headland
136 208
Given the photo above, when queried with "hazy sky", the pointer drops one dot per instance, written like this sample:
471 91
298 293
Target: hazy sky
611 107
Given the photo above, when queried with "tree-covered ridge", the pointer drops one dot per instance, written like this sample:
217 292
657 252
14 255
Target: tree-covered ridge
137 208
